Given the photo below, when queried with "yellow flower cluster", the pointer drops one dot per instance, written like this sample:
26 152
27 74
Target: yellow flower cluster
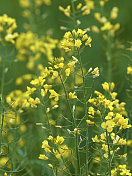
30 47
88 7
114 118
111 117
75 39
28 3
122 170
11 119
57 69
58 63
58 150
66 11
106 24
24 78
27 6
7 27
80 8
18 99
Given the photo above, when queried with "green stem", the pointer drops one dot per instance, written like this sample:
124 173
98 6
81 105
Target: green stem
78 170
67 98
109 67
2 104
86 111
47 117
74 16
109 155
109 58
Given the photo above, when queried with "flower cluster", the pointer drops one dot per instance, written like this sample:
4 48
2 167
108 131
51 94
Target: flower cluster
79 7
18 99
24 78
56 148
28 3
112 117
106 24
121 170
75 39
30 47
7 27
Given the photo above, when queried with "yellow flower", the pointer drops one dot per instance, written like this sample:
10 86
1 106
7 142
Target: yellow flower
108 125
76 131
55 75
108 86
43 157
24 3
129 70
114 13
66 11
50 165
113 95
46 146
79 6
122 141
90 122
78 43
105 86
107 26
75 34
103 136
95 72
65 152
67 71
91 110
85 37
80 32
109 116
105 147
8 25
50 138
88 42
72 95
59 140
129 142
30 90
3 161
54 95
57 154
95 139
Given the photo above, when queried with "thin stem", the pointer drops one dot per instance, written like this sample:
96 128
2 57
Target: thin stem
109 155
78 158
67 98
47 117
2 104
74 15
85 107
109 58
